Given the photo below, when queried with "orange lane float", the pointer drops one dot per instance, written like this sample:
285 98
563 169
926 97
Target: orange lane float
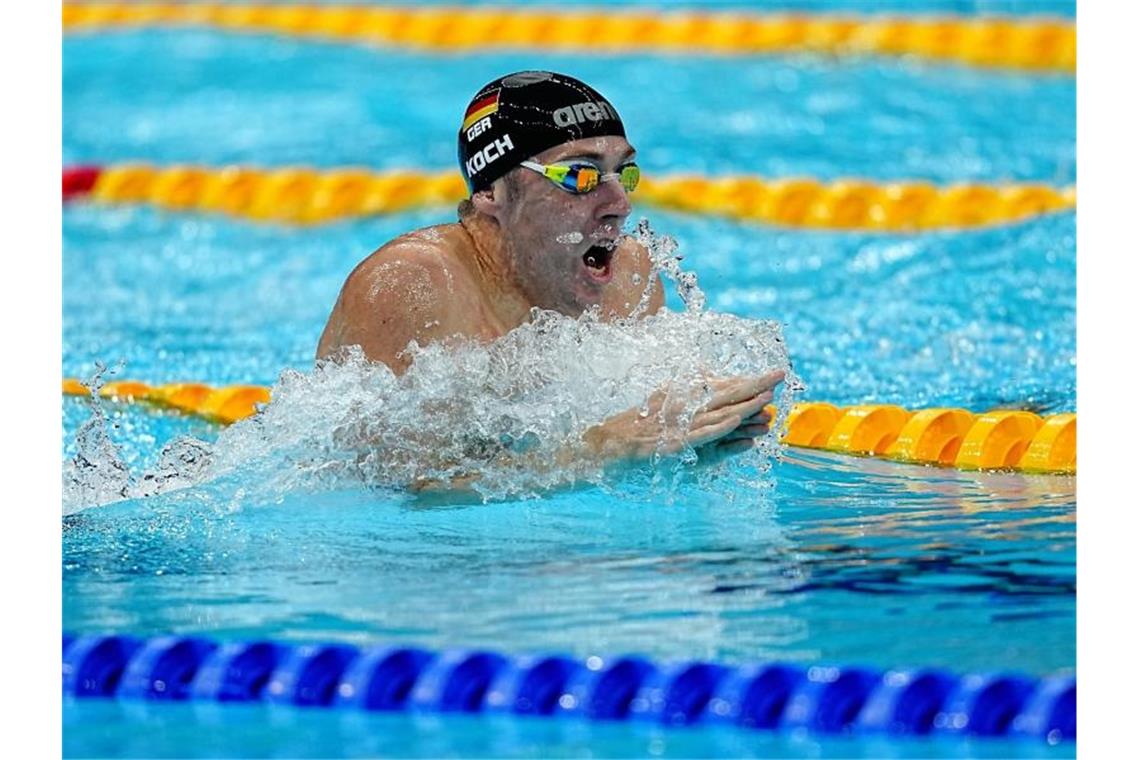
1054 447
224 405
867 429
1043 44
999 440
809 425
932 435
300 195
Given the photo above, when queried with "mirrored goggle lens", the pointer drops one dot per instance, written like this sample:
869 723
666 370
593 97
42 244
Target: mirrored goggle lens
581 178
629 176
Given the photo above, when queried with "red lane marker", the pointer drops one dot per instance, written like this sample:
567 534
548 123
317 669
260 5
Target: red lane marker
79 180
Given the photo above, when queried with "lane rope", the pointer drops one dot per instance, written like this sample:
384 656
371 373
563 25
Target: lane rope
1035 44
815 699
302 195
224 405
947 437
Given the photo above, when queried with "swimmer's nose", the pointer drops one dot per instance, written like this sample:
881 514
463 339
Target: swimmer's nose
613 200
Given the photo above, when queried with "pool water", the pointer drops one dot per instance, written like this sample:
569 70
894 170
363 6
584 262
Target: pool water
809 558
103 728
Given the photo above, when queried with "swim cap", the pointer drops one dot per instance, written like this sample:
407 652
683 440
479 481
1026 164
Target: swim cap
522 114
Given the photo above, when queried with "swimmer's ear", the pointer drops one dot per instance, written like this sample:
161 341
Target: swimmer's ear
489 201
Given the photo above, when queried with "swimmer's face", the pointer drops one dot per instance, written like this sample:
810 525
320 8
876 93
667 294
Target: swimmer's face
561 243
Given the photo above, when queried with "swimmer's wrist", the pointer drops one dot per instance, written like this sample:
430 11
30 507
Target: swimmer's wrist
605 442
594 441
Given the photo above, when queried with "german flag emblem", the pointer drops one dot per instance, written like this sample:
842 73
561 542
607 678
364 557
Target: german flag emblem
480 108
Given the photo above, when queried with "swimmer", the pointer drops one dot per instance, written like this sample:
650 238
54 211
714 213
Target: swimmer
549 172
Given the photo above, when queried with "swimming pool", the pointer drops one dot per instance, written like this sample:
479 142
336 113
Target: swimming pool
821 559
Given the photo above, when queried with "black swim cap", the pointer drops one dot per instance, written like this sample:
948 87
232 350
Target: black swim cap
522 114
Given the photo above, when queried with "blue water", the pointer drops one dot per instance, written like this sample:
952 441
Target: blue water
272 101
835 560
172 730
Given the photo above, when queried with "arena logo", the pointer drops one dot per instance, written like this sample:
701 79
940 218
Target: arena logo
580 112
488 155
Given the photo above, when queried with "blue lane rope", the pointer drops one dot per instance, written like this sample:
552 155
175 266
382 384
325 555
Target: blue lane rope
847 700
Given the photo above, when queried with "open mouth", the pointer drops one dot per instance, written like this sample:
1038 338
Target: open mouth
597 259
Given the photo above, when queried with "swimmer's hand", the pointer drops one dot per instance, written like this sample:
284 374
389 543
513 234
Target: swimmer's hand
727 424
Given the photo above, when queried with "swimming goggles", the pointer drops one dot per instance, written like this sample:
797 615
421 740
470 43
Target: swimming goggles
580 177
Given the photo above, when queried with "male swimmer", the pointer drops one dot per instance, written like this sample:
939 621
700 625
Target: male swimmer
549 171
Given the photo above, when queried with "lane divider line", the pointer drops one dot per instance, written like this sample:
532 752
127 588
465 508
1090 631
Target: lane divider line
304 196
1043 44
817 699
947 437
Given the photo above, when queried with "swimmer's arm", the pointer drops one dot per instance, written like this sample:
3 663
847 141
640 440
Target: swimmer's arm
398 295
727 424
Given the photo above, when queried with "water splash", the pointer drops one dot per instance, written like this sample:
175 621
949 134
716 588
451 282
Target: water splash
505 419
663 253
97 473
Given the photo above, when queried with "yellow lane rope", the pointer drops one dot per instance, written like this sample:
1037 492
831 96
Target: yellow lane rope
997 440
1043 44
308 196
224 405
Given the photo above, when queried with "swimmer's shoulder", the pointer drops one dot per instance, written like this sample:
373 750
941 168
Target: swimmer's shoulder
411 288
432 253
423 269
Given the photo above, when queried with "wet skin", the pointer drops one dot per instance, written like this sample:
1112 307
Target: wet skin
525 243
